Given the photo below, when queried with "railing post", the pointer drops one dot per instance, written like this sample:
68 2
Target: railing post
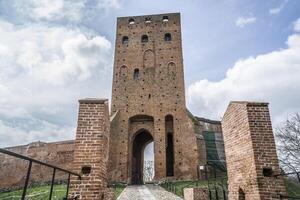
68 185
52 183
224 192
298 176
26 180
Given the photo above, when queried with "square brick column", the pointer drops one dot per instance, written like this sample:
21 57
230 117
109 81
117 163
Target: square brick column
91 150
251 152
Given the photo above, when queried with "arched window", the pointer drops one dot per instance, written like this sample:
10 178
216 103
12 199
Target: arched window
136 74
125 40
131 21
168 37
147 20
165 19
123 71
144 38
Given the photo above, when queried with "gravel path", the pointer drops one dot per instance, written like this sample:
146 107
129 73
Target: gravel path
147 192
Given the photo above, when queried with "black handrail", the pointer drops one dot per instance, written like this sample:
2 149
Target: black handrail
32 160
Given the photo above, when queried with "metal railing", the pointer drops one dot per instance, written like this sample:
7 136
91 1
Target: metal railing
30 162
214 184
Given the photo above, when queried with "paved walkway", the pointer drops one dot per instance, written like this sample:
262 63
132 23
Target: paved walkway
146 192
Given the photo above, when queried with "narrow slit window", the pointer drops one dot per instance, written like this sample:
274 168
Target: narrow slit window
125 40
144 38
168 37
136 74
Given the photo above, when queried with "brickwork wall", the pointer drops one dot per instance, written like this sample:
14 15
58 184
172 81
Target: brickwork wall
13 170
250 148
157 92
91 149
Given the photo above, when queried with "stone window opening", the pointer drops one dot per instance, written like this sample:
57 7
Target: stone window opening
168 37
86 170
144 38
169 145
131 21
136 74
123 71
165 19
147 20
125 40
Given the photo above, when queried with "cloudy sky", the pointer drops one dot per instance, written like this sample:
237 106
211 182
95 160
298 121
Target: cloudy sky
53 52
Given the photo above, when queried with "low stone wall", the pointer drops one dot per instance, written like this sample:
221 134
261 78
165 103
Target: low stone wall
13 170
195 194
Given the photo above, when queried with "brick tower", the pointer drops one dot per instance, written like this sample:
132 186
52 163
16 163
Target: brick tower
251 153
148 101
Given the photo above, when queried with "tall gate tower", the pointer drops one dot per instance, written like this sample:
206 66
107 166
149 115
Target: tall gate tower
148 101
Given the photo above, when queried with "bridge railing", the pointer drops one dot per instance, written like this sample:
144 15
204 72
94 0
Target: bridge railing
32 161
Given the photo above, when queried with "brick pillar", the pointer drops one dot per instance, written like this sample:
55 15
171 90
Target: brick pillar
91 150
251 153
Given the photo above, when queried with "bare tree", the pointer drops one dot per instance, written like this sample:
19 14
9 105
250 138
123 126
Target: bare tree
148 170
288 139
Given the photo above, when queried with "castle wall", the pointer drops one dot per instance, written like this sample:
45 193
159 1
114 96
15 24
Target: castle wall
13 170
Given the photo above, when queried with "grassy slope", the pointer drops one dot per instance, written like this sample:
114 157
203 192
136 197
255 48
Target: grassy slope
293 189
36 193
42 193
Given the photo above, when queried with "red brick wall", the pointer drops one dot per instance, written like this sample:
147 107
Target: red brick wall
249 148
91 149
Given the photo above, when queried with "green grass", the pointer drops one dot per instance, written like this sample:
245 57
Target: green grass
178 186
118 190
37 193
42 193
293 188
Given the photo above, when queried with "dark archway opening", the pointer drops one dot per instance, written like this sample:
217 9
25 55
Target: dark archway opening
141 140
242 195
170 146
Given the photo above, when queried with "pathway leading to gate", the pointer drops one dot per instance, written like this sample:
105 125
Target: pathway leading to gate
147 192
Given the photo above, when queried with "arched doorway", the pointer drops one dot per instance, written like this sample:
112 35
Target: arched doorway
141 139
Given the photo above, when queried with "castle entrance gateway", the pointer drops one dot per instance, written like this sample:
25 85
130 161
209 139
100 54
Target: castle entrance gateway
148 94
140 141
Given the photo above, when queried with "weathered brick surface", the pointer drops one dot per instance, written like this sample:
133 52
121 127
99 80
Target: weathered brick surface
91 149
157 92
195 194
13 170
249 148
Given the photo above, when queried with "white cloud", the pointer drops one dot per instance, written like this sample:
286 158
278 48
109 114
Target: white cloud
243 21
14 135
52 54
277 10
44 71
272 77
53 10
297 25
